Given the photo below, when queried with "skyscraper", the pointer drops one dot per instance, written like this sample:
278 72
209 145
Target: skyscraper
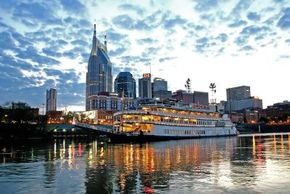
200 98
239 99
51 97
99 75
159 84
238 93
125 85
160 89
145 87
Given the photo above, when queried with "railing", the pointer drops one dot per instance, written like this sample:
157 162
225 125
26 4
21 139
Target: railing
168 114
94 127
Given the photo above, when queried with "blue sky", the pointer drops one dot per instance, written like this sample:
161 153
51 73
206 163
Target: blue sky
47 43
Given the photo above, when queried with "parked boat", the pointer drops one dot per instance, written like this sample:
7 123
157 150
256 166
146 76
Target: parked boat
162 122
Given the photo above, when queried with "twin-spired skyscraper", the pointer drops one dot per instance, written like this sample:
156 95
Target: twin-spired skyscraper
99 75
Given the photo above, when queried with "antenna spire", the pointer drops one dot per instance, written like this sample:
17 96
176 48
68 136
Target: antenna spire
150 69
105 42
94 47
94 29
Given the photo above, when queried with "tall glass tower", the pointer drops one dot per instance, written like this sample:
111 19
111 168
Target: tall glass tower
125 85
99 75
51 97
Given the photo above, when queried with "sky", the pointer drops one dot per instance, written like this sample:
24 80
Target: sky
47 44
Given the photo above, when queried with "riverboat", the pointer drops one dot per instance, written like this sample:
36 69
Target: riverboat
162 122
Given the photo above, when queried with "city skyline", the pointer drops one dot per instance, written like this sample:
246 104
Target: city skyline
230 43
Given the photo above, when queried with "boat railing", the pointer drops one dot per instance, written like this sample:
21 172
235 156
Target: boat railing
188 116
165 123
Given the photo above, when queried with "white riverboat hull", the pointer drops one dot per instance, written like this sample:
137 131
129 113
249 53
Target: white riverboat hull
190 131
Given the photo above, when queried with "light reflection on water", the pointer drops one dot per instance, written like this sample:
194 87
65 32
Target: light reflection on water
246 164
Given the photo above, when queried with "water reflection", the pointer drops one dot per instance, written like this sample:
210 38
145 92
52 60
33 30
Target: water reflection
237 164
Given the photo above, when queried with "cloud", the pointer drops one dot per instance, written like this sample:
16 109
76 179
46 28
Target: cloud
9 71
284 56
6 41
201 44
247 48
4 26
70 54
129 7
251 30
126 22
128 59
146 41
148 23
85 57
73 6
242 5
51 52
24 89
150 51
238 23
205 5
222 37
115 37
52 72
34 12
8 5
156 18
253 16
241 40
284 21
279 1
32 54
164 59
172 22
80 43
123 21
117 52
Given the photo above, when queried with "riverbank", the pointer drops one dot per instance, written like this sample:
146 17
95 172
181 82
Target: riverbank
262 128
24 131
32 132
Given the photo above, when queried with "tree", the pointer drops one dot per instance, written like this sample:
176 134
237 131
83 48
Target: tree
188 85
68 117
264 120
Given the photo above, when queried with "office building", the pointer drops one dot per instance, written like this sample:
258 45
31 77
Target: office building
200 98
252 103
281 109
125 85
99 74
239 99
51 100
238 93
145 87
162 95
159 89
159 84
185 97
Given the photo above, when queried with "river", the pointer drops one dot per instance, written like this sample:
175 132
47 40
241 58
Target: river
243 164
